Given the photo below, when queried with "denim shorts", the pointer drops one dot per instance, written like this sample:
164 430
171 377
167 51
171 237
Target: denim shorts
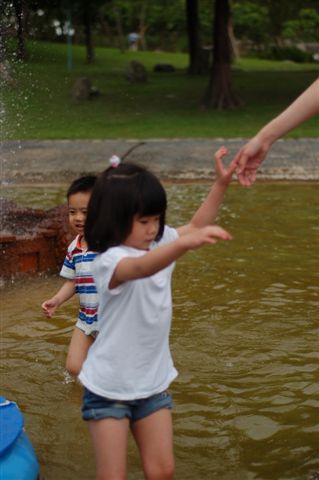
95 407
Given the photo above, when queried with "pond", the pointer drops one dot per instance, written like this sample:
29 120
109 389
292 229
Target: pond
244 339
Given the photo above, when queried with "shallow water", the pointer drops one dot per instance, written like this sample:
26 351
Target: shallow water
244 339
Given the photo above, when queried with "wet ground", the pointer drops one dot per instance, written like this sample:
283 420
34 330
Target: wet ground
184 159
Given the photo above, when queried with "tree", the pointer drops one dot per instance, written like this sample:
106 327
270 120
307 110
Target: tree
219 93
20 8
304 28
119 28
281 11
87 23
251 21
194 47
4 31
84 16
85 13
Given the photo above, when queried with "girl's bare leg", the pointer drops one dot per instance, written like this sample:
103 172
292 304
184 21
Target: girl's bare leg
154 437
109 437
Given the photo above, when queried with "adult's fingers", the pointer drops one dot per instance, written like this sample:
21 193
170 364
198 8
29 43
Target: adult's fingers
242 159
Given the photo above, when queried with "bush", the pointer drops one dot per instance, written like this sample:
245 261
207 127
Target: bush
288 53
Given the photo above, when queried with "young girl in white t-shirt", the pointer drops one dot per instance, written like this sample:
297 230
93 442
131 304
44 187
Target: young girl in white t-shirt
129 366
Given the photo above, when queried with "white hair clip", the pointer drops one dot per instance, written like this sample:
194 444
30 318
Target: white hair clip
115 161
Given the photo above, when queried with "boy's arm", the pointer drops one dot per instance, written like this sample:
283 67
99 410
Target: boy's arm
207 212
152 262
66 291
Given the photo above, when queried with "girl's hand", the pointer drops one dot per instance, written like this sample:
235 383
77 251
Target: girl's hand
224 175
49 307
205 236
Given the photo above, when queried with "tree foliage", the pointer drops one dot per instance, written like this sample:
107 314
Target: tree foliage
251 21
166 25
304 28
162 24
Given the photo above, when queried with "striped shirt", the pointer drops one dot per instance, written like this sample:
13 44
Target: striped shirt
78 266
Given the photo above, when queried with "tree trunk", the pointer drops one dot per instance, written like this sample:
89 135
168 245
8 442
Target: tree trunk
232 38
106 30
194 48
6 15
119 29
19 13
142 26
90 54
3 49
219 93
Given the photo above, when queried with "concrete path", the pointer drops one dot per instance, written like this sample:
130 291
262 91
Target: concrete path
183 159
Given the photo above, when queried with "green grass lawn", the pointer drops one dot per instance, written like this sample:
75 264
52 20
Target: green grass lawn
40 106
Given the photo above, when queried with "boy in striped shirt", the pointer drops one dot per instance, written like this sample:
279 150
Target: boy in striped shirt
77 270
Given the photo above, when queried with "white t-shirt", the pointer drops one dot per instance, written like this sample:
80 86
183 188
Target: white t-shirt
130 358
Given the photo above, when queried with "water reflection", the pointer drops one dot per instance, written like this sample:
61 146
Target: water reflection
244 339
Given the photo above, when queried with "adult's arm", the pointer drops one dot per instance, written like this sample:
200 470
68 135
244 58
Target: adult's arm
251 155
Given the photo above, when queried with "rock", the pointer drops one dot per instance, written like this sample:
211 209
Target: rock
164 68
136 72
82 89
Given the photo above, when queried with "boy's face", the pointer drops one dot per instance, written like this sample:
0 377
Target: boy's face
77 206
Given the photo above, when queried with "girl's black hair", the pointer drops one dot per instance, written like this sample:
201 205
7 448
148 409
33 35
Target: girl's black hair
119 194
82 184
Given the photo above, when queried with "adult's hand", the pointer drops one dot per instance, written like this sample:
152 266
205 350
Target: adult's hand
249 159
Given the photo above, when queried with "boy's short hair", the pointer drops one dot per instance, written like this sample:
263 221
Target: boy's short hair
82 184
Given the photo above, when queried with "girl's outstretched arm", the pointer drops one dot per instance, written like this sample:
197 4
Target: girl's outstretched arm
207 212
132 268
